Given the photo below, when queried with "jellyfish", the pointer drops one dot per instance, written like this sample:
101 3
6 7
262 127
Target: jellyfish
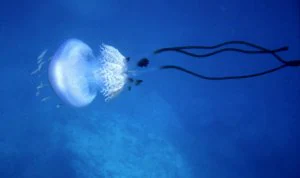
77 75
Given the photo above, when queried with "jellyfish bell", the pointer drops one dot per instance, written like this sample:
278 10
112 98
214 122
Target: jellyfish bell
69 75
77 76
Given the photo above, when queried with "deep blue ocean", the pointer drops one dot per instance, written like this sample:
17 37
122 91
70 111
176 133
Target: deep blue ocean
172 125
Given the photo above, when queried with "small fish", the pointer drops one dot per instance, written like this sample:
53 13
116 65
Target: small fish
138 82
45 99
144 62
41 56
38 68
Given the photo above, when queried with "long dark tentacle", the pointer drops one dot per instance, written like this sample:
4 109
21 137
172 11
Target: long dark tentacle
213 46
223 78
181 49
259 50
229 49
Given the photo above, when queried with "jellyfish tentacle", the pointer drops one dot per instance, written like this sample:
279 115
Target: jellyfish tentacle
228 49
261 50
214 46
181 69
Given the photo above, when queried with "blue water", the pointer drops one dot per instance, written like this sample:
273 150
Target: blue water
173 125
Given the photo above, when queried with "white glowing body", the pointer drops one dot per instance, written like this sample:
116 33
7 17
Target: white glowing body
76 75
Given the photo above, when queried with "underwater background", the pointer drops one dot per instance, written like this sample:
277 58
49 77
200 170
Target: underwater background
171 126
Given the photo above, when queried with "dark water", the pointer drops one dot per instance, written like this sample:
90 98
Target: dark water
171 126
